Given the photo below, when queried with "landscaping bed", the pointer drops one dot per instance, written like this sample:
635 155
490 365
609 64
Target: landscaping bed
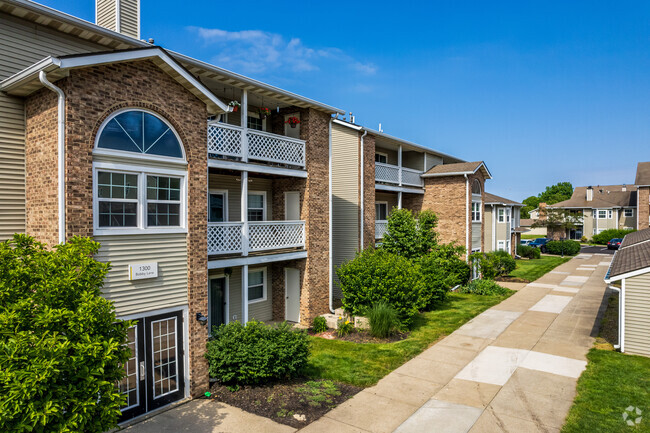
297 402
360 336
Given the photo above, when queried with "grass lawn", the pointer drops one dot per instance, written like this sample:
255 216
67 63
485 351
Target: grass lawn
533 269
532 236
612 382
364 364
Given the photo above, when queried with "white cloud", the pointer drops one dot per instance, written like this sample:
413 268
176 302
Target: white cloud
256 51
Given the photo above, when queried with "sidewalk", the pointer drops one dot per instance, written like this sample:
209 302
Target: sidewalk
513 368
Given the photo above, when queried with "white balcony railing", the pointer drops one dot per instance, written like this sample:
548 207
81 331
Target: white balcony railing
389 173
229 140
380 228
228 237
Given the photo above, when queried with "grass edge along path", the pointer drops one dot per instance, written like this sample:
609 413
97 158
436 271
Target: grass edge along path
533 269
365 364
612 382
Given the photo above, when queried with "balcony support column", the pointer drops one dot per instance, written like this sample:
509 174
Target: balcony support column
244 213
399 200
399 164
244 125
244 291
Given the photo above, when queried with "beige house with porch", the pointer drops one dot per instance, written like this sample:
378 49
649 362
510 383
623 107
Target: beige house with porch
502 224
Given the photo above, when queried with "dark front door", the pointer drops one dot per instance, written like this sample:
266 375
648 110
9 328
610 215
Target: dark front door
155 371
217 313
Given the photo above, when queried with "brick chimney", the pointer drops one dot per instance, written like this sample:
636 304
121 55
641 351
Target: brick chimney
122 16
542 211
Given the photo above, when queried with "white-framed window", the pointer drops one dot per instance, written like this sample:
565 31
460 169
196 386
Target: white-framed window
218 206
502 215
475 272
254 121
601 214
381 157
381 211
501 245
257 206
476 211
629 212
133 199
476 187
257 287
507 215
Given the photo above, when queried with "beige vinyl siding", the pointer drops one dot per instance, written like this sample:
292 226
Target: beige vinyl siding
637 317
262 311
490 212
476 236
106 14
345 198
390 198
391 154
169 289
588 223
129 18
222 182
22 44
433 160
412 159
626 222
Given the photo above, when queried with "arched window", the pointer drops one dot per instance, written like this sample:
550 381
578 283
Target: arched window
476 187
141 132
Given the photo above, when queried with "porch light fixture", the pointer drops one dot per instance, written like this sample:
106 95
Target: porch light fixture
227 271
202 319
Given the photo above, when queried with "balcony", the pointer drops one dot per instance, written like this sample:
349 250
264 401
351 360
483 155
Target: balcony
394 174
252 145
380 228
245 237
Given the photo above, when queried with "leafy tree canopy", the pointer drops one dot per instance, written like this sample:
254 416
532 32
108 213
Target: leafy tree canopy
553 194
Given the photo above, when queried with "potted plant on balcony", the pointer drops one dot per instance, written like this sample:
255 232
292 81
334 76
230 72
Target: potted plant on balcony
235 105
264 112
293 121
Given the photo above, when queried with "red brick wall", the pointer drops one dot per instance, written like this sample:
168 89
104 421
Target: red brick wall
93 94
368 190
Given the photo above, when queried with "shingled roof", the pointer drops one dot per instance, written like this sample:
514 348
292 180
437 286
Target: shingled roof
458 169
604 196
642 174
495 199
633 255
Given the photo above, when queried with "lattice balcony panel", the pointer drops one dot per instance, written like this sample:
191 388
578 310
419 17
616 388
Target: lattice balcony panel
276 235
275 148
224 238
224 140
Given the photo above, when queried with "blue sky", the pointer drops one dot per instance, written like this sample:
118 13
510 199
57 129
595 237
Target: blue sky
543 92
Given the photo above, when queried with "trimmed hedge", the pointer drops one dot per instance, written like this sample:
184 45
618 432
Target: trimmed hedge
492 265
607 235
441 270
377 275
528 252
256 353
484 287
570 248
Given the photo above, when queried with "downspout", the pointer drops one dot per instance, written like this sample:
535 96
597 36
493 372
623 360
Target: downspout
42 76
331 248
363 190
616 289
467 204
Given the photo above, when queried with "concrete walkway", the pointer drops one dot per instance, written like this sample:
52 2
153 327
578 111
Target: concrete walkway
513 368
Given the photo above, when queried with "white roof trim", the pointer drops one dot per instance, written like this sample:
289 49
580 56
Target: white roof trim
459 173
627 274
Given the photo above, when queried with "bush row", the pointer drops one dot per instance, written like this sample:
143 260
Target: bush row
484 287
492 265
607 235
569 248
528 252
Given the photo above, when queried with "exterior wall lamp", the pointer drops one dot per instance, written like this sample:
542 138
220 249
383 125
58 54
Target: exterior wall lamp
202 319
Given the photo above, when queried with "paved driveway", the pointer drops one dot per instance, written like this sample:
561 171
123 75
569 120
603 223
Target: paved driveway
596 249
513 368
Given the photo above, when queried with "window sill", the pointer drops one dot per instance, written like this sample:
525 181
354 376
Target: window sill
256 301
137 231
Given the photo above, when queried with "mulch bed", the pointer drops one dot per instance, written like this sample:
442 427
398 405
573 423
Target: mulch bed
360 336
297 403
511 280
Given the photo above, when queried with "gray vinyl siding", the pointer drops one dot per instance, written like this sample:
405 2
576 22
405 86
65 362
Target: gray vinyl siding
433 160
390 198
262 311
637 317
345 198
476 236
105 14
129 18
413 159
233 186
391 154
22 44
488 216
169 289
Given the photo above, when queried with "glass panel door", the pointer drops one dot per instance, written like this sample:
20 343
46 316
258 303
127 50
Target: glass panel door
133 383
217 313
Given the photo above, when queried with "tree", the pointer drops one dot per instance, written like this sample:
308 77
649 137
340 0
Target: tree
61 348
553 194
408 236
558 221
530 203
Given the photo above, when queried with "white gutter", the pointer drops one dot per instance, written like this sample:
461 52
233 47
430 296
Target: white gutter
331 249
616 289
495 215
362 200
61 150
467 204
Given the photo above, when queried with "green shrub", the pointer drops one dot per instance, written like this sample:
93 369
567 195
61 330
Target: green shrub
528 252
319 324
441 270
61 348
484 287
344 326
607 235
256 353
378 275
409 236
492 265
570 248
383 319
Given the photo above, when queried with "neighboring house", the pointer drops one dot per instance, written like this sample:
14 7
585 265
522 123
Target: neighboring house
202 211
534 214
599 208
527 224
502 224
373 173
629 274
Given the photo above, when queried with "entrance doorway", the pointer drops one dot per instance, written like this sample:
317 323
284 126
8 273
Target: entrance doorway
218 302
292 294
155 371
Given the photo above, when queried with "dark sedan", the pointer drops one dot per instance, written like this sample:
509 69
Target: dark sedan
539 243
614 244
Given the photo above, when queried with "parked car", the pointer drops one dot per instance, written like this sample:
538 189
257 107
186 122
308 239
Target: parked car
525 241
614 244
539 243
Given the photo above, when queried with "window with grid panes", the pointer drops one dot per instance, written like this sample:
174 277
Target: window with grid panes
117 196
163 201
